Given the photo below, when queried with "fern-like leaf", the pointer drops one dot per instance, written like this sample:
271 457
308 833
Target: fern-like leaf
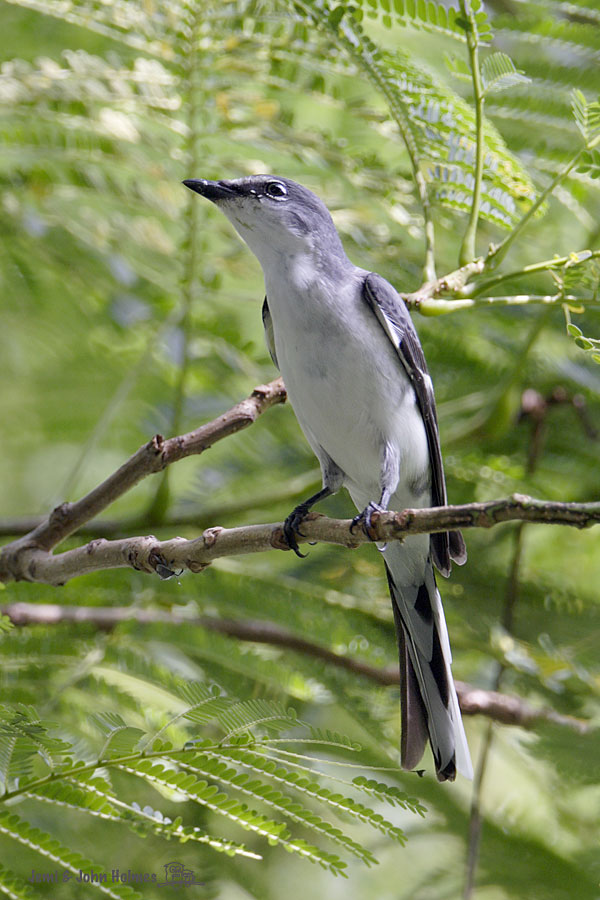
427 15
279 772
209 796
242 717
13 886
499 72
121 738
95 796
388 793
207 704
587 117
262 791
580 275
20 831
23 740
438 127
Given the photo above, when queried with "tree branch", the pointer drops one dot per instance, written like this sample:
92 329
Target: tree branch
30 562
473 701
451 283
152 457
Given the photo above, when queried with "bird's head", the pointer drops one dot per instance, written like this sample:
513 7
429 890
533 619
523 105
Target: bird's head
276 217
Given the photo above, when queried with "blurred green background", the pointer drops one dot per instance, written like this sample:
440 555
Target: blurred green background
130 307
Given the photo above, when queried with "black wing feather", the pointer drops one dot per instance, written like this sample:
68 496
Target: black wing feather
395 320
269 333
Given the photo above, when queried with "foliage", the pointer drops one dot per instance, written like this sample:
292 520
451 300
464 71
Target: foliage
129 309
222 775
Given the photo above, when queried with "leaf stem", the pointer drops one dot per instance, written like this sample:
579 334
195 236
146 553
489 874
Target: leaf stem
467 250
443 307
557 262
367 59
499 251
348 33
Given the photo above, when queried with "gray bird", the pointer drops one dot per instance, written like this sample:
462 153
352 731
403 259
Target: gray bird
357 379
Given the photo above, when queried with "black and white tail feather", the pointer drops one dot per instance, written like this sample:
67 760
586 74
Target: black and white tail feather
429 703
430 708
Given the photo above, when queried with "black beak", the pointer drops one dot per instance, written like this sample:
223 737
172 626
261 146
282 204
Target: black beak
212 190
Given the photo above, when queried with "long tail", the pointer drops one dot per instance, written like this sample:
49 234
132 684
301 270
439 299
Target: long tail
430 707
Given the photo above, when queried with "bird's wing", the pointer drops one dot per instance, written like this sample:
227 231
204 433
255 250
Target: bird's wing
395 320
269 333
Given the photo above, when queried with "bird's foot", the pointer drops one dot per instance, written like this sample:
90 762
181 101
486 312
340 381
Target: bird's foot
363 519
291 527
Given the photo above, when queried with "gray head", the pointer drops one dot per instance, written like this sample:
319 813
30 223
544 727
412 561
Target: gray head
276 217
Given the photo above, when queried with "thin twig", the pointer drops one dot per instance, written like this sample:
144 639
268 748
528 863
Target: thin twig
577 258
475 814
467 250
198 516
499 251
442 307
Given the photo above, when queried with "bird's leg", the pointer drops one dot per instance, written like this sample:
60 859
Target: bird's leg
364 518
390 475
291 526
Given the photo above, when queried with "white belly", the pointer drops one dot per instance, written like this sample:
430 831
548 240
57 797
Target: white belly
349 390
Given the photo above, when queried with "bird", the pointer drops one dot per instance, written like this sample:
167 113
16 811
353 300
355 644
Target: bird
358 383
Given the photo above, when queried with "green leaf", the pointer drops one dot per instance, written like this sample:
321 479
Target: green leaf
427 15
205 794
458 67
13 886
21 832
335 16
121 738
389 793
251 714
262 792
498 72
587 116
96 797
24 739
437 125
280 772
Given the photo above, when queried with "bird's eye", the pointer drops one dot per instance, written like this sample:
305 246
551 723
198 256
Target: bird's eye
276 189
